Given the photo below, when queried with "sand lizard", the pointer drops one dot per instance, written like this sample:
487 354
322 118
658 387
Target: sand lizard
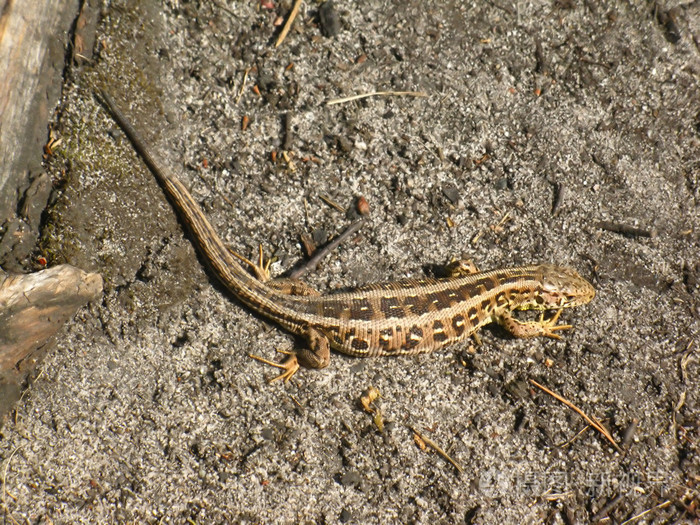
384 319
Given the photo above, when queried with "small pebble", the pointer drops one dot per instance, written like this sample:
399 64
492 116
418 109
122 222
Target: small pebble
328 16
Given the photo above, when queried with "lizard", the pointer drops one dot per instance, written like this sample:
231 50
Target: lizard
404 317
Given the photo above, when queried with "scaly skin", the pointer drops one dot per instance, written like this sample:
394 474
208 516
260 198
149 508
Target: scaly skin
393 318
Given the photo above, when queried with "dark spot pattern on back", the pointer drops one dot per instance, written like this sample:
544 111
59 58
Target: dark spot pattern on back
469 291
458 324
361 309
331 308
439 337
391 308
416 304
385 337
488 283
441 300
501 299
439 334
359 344
413 337
512 279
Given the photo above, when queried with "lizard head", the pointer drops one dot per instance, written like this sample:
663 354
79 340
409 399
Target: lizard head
557 287
562 287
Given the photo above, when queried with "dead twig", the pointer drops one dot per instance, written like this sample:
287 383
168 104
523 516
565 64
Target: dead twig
607 508
288 131
245 78
288 24
332 203
376 94
226 10
559 190
626 229
437 449
570 441
312 263
498 228
591 421
642 514
685 359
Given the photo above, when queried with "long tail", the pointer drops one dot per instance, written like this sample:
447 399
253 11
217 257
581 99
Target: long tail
227 269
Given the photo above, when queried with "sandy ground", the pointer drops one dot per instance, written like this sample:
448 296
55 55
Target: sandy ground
546 125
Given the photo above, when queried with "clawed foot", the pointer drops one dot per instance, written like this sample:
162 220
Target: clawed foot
549 326
542 328
261 269
289 365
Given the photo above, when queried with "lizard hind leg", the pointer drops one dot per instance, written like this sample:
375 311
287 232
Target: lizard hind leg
261 269
289 365
316 355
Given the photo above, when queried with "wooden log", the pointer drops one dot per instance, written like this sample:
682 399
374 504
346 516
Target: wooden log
33 308
32 49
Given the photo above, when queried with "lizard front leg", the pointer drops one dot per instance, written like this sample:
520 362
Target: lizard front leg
316 355
460 268
545 328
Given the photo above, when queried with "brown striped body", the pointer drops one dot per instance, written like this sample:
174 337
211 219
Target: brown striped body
393 318
415 316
